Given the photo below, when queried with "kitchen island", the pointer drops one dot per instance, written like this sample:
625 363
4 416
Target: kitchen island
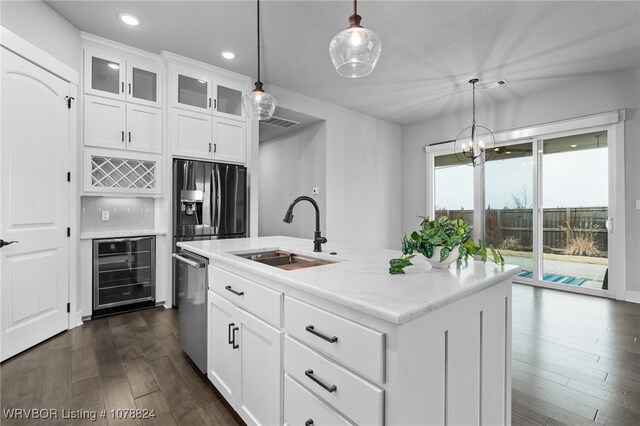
345 342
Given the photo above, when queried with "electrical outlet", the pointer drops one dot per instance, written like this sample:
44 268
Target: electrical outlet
105 215
315 191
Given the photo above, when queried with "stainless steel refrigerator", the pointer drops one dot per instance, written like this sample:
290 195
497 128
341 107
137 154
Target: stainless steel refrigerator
209 202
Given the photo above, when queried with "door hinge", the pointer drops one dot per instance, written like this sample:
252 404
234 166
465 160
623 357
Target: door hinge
68 176
69 99
68 307
68 232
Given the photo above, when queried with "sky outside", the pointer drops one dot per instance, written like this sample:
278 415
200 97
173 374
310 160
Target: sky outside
570 179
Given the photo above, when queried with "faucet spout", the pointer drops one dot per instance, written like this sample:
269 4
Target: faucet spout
318 239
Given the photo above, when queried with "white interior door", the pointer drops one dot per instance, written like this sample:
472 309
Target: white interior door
34 209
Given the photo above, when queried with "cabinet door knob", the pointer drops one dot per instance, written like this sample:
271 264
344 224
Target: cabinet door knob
331 339
328 388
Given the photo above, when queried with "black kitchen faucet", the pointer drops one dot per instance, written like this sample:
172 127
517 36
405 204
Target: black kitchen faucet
318 239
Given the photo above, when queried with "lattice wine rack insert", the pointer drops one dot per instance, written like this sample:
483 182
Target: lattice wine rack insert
110 172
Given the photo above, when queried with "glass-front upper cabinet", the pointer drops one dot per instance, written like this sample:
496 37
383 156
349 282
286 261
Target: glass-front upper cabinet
123 78
104 73
228 99
191 90
144 83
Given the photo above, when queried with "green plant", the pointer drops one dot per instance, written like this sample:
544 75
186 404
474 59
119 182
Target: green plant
446 233
582 243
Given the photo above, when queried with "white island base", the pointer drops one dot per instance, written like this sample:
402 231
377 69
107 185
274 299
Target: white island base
347 343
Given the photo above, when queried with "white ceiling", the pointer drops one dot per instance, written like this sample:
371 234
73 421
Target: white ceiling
430 49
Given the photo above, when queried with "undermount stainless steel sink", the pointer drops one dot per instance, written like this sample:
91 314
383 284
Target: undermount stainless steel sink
284 260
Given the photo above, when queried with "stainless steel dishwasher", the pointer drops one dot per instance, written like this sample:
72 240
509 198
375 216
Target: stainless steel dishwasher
192 305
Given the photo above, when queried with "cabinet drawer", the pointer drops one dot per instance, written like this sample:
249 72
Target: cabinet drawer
256 299
351 344
359 400
301 407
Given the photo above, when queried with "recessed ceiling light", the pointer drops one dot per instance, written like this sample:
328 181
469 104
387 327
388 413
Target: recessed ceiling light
227 54
113 66
129 19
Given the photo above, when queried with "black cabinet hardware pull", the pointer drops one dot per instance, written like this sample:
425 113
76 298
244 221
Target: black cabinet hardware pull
6 243
209 102
215 104
123 87
237 293
328 388
308 422
129 88
229 334
129 137
215 148
209 147
233 332
323 336
123 136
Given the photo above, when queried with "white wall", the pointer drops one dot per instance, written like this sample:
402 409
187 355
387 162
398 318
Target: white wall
40 25
292 165
589 95
363 172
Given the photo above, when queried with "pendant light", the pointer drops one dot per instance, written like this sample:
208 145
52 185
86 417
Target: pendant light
258 103
356 50
475 144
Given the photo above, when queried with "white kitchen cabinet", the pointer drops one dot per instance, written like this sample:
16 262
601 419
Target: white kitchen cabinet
104 122
202 91
116 124
209 137
191 133
245 362
207 119
121 172
104 73
144 83
122 77
144 129
229 140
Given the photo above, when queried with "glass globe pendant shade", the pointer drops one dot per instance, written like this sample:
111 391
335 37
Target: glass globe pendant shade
355 51
259 104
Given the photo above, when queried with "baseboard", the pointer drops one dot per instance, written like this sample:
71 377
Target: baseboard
632 296
75 319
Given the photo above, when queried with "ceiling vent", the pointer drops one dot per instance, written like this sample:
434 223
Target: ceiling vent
493 85
280 122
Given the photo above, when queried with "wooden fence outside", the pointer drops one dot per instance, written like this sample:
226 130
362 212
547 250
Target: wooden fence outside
516 226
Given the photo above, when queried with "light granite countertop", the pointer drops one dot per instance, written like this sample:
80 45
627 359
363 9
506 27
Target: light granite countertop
360 279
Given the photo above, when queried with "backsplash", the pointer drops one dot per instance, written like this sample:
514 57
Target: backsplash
125 214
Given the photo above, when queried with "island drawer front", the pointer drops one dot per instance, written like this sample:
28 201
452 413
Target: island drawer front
301 406
356 398
360 348
252 297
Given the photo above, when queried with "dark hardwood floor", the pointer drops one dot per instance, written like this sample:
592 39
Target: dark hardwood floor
576 361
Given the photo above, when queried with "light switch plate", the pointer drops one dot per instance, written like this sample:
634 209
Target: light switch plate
105 215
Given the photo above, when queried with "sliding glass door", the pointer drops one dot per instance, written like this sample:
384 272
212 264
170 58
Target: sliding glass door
574 190
509 204
546 205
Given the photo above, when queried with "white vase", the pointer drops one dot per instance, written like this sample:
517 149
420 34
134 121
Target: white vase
434 260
